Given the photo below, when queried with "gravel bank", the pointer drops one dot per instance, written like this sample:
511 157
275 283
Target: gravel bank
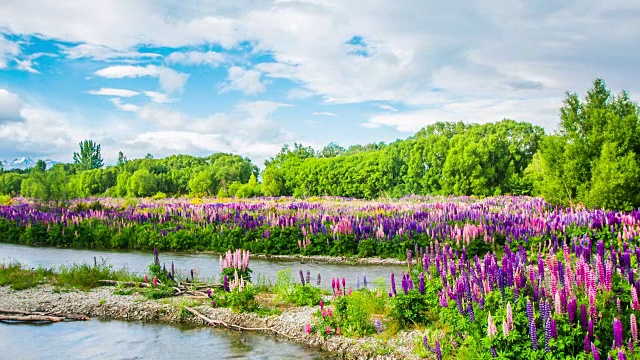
103 303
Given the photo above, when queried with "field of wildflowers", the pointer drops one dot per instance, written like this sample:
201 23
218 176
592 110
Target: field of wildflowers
504 277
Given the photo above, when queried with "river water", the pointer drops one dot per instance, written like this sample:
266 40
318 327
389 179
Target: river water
206 266
97 339
130 340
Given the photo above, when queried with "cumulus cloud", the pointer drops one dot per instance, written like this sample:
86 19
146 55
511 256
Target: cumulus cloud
114 92
245 81
170 80
10 106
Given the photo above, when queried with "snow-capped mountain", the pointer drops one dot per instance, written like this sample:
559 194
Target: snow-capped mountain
23 163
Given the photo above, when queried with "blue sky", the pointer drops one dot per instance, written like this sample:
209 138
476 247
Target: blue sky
246 77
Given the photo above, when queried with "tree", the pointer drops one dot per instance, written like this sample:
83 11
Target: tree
89 156
592 158
40 166
142 183
121 159
332 150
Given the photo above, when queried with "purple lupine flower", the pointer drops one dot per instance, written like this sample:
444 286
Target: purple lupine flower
590 330
425 342
393 284
547 335
308 278
493 352
301 277
472 316
617 333
421 286
587 344
572 309
554 329
319 279
532 326
225 283
630 345
364 280
583 316
438 351
378 325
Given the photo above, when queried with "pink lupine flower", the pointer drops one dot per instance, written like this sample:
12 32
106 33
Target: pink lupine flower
634 328
146 278
634 299
491 327
307 328
338 331
155 281
328 330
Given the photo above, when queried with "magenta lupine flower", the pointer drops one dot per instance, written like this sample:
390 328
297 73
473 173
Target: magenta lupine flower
594 351
328 330
583 316
554 329
630 345
572 309
617 333
634 328
621 355
321 305
344 286
509 317
155 281
307 328
146 278
590 330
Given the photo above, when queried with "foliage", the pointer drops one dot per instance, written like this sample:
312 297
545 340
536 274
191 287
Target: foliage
238 300
89 156
592 158
86 277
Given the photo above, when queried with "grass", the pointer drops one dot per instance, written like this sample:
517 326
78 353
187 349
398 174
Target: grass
76 276
86 277
19 278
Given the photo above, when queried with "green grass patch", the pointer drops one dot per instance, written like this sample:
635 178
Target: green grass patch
18 278
86 277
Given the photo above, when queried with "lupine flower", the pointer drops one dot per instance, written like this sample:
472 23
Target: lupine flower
491 327
425 342
393 285
532 326
155 281
146 278
587 344
547 335
421 286
364 280
634 328
379 326
301 277
634 299
438 351
319 278
328 330
594 351
308 278
621 355
307 328
617 333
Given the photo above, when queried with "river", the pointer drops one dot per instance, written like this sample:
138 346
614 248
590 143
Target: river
204 265
97 339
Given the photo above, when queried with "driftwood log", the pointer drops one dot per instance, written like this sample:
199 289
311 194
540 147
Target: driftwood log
36 316
187 289
233 326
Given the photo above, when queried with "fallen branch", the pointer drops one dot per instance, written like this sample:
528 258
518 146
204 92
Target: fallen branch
30 318
233 326
49 314
125 283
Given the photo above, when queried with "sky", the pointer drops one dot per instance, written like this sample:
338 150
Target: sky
246 77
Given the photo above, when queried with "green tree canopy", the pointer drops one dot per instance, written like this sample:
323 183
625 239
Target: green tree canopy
89 156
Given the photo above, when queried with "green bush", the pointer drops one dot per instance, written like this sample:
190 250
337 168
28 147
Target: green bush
18 278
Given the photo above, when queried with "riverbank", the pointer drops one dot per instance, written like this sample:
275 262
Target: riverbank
104 303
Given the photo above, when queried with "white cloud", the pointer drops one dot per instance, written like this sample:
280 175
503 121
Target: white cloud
211 58
8 51
170 80
245 81
323 113
124 107
541 112
104 53
387 107
114 92
157 97
10 106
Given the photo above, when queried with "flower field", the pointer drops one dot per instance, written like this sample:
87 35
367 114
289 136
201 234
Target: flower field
503 277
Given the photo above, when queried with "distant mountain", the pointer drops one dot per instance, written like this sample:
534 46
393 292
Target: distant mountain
23 163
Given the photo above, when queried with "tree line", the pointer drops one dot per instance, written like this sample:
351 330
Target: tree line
590 159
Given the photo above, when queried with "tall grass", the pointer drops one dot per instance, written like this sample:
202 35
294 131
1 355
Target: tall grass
18 278
85 276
